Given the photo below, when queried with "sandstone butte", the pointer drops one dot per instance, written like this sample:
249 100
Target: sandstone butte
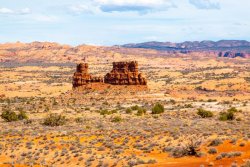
123 73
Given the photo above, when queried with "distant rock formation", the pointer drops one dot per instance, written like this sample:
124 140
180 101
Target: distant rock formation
231 54
82 77
222 45
125 73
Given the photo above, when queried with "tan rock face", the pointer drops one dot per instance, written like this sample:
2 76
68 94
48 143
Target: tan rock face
82 77
125 73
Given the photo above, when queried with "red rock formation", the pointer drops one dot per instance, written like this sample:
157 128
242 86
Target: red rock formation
125 73
82 77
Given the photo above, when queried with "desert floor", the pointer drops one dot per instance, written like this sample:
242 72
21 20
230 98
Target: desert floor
104 126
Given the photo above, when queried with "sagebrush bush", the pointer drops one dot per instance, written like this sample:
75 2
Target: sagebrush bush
141 111
204 113
128 111
229 114
212 150
192 148
107 112
233 109
158 109
55 120
225 116
136 107
22 115
9 116
116 119
215 142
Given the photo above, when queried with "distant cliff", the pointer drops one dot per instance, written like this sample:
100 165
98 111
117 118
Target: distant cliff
223 45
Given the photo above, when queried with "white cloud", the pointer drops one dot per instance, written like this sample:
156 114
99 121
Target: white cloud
25 11
6 11
45 18
78 9
133 2
139 6
205 4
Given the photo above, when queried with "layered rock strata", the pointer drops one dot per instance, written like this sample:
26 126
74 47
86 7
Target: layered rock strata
82 77
125 73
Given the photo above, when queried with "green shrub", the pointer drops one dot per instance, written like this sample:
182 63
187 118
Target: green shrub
141 111
229 115
188 106
204 113
22 115
158 109
211 100
136 107
55 120
233 109
128 111
107 112
116 119
225 116
9 116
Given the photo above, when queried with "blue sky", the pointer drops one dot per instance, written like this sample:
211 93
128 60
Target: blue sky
111 22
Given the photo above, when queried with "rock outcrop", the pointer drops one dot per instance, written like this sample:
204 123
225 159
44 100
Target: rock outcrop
231 54
125 73
82 77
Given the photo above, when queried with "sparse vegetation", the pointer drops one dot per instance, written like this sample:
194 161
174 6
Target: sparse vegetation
128 111
191 148
55 120
9 116
107 112
141 111
22 115
114 126
212 150
116 119
158 109
228 115
204 113
215 142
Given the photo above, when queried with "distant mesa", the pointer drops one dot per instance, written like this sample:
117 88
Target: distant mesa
123 73
189 46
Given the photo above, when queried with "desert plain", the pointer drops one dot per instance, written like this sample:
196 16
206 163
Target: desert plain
205 122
